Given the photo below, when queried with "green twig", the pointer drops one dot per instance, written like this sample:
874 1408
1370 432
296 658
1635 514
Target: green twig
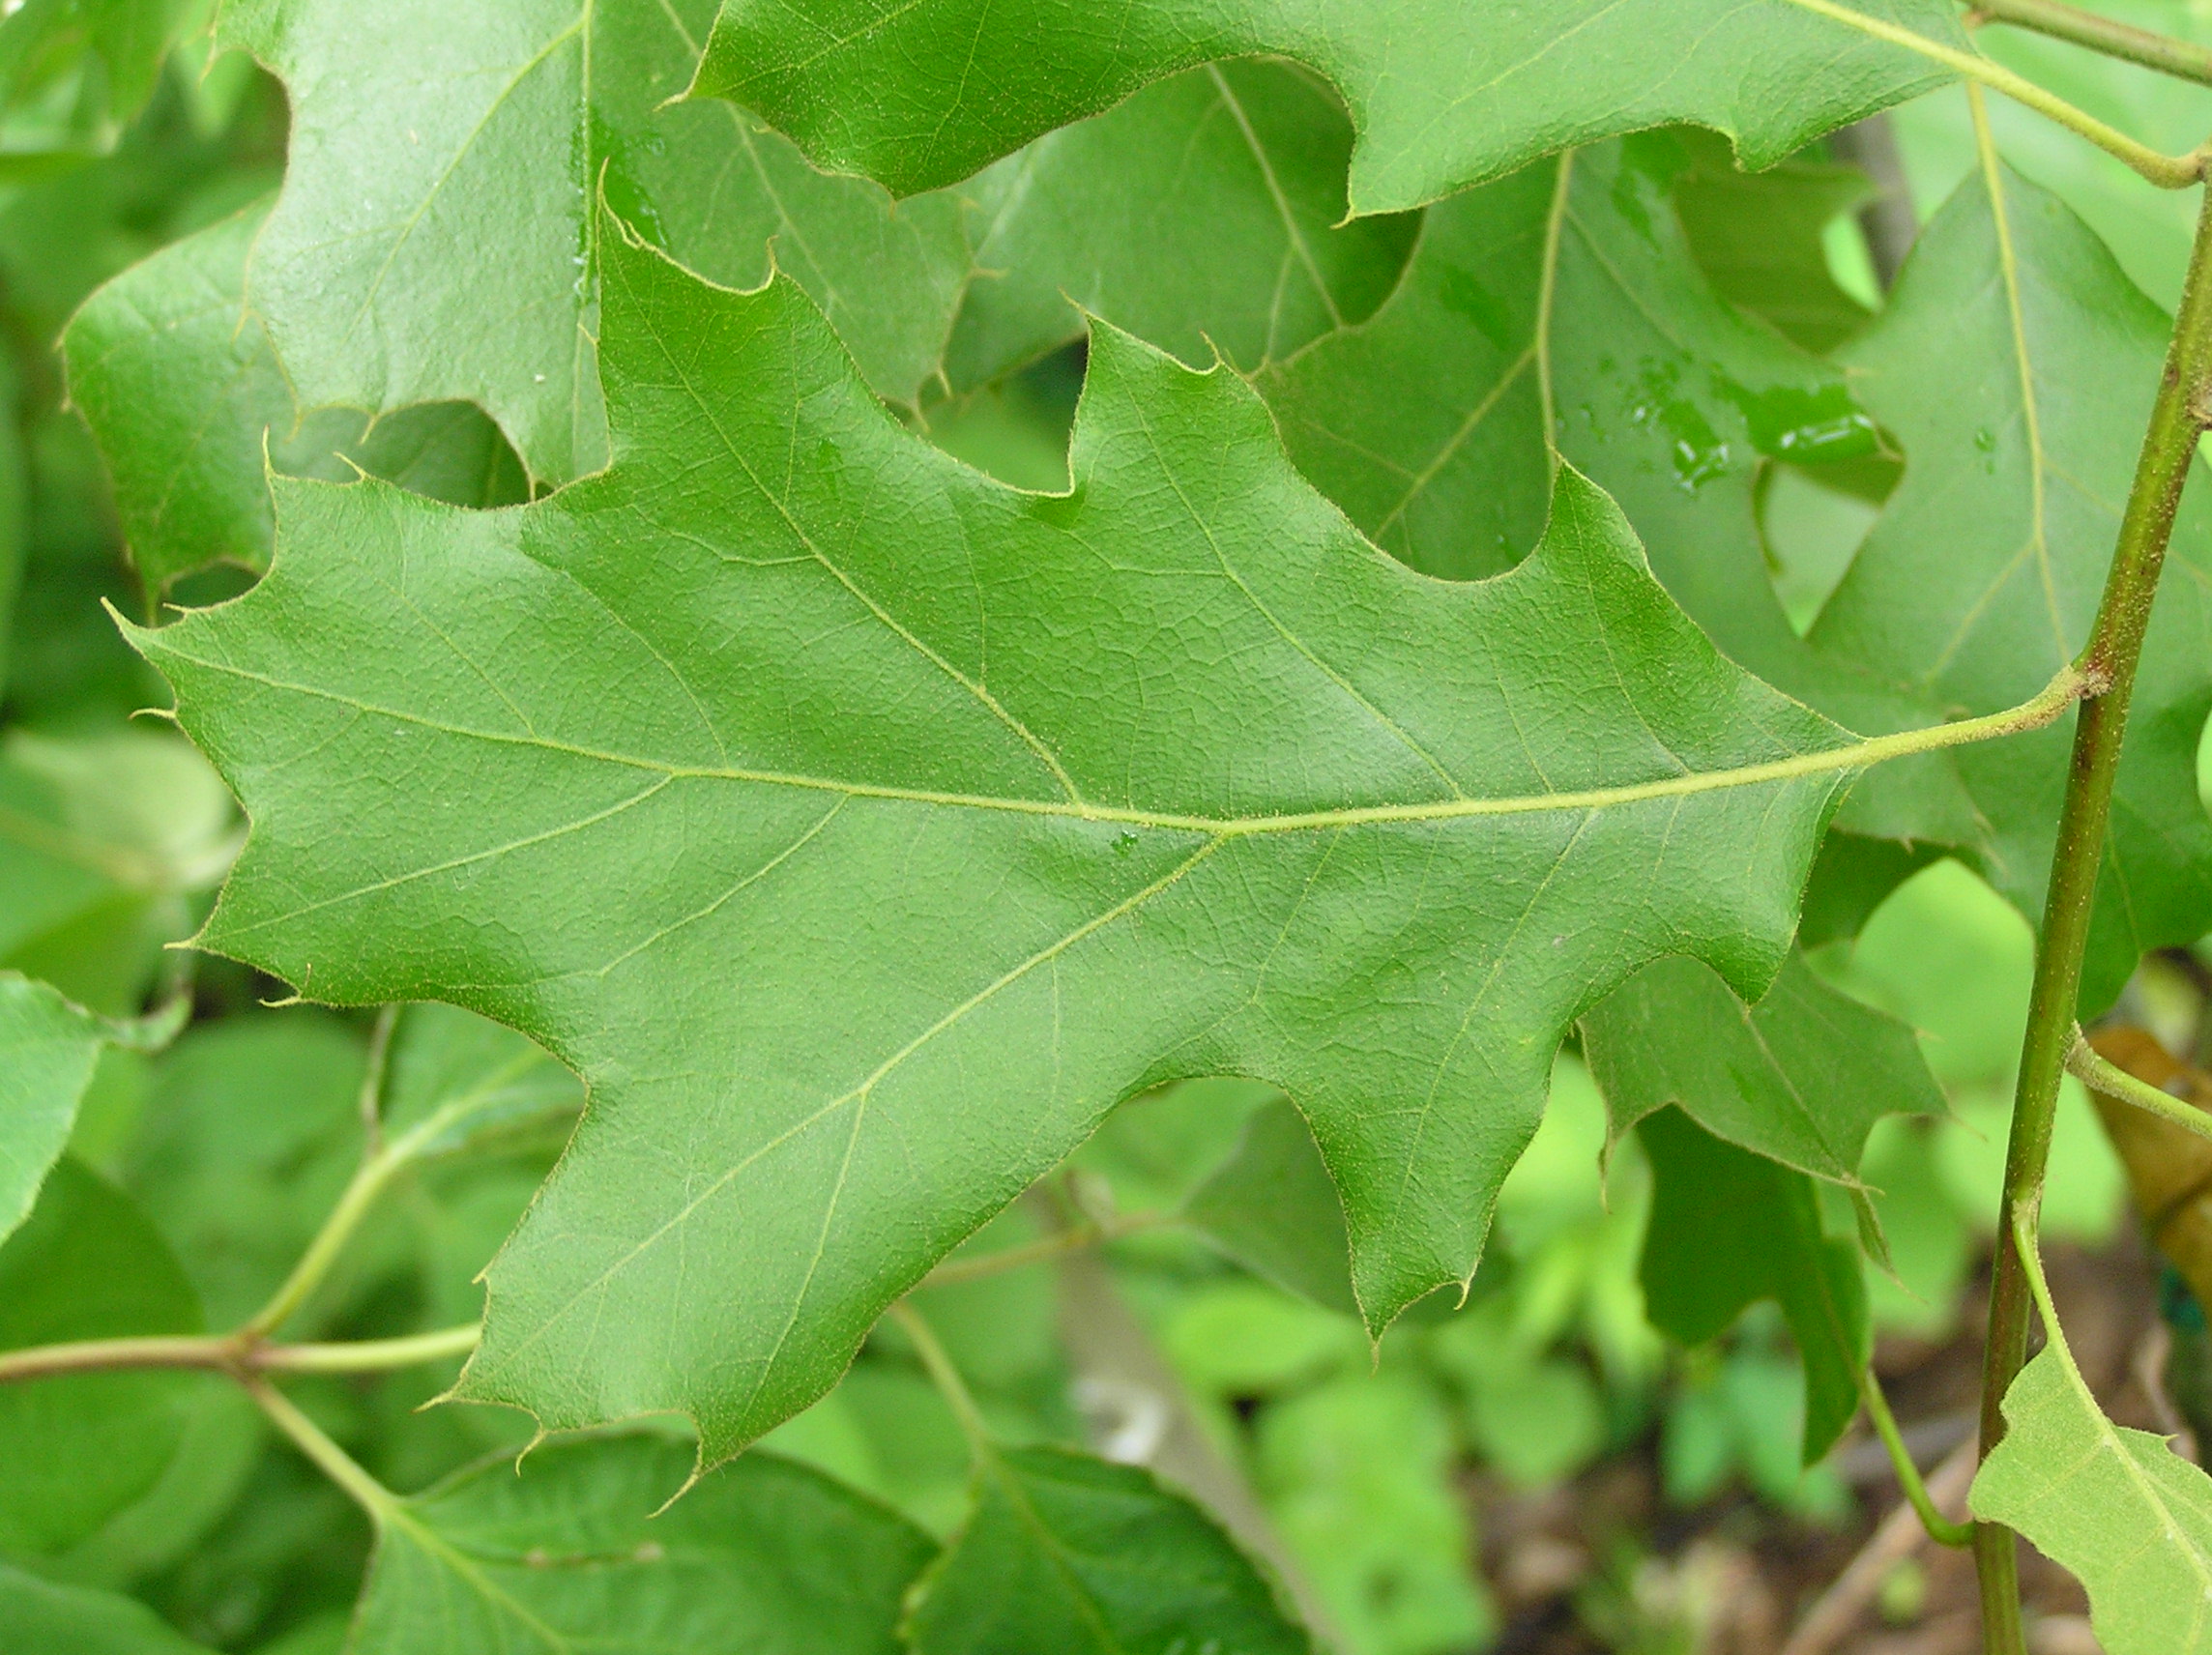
333 1461
239 1354
368 1355
2098 1073
1941 1528
946 1377
2076 27
2168 172
2179 416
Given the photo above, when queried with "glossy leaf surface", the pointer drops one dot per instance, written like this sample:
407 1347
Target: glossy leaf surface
2016 364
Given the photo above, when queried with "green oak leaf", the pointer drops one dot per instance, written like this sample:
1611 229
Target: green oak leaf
1729 1227
1063 1552
39 1614
47 1049
1799 1078
75 1449
2130 1517
2015 366
434 238
191 408
969 813
920 93
1207 214
1567 291
103 840
1270 1207
761 1558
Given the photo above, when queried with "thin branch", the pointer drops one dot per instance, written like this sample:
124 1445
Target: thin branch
2182 59
333 1461
2099 1074
2168 172
372 1078
1838 1609
946 1377
240 1354
1941 1528
2179 416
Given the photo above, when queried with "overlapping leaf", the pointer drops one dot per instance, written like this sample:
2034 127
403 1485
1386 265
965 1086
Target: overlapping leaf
47 1049
1205 213
920 93
434 239
1567 293
2015 366
1729 1227
862 830
189 404
1800 1078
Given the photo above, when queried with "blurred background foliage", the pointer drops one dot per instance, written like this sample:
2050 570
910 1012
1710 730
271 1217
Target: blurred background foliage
1400 1481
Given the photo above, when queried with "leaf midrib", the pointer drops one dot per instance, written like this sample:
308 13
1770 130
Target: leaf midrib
1847 756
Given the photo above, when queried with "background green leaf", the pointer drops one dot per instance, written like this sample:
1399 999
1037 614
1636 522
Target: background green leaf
1729 1227
762 1558
79 1447
1065 1551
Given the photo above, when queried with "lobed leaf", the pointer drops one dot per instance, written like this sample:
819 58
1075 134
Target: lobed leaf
1271 1206
1800 1078
434 240
1205 214
920 93
2119 1508
862 830
2015 366
191 408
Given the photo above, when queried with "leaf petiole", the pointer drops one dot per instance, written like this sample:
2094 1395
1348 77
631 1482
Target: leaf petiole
2114 38
333 1461
1941 1528
2100 1074
2168 172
